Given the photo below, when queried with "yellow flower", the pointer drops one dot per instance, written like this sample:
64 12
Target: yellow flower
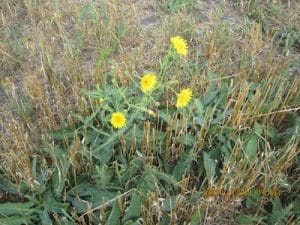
100 100
183 98
180 45
118 120
148 82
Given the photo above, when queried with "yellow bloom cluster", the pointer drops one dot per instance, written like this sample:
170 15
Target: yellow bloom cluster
118 120
180 45
148 82
183 98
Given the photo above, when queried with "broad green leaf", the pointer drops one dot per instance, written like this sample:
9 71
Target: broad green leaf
197 217
184 164
273 135
166 178
165 220
248 220
63 134
194 198
60 174
121 28
114 217
19 220
52 205
225 153
104 154
80 205
209 97
104 176
9 209
149 181
209 165
132 222
7 185
83 12
279 214
277 206
83 189
187 140
258 128
45 218
131 171
170 203
134 210
100 197
252 199
285 183
91 193
251 148
200 108
166 114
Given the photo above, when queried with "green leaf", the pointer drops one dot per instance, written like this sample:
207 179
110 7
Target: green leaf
92 193
284 183
7 185
279 214
51 205
83 12
251 148
18 220
63 134
103 176
9 209
166 114
132 222
131 170
277 206
100 197
166 178
170 203
121 29
209 165
114 217
165 220
197 218
45 218
252 199
184 164
248 220
149 181
104 154
187 140
209 97
79 204
200 108
258 128
134 210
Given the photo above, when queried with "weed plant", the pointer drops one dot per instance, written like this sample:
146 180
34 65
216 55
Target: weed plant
194 120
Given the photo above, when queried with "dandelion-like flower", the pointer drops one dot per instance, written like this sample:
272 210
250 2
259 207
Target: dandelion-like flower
118 120
180 45
183 98
148 82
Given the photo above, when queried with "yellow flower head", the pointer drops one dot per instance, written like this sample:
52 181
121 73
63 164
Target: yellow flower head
118 120
100 100
180 45
148 82
183 98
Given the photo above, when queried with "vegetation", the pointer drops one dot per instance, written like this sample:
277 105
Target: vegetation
149 112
